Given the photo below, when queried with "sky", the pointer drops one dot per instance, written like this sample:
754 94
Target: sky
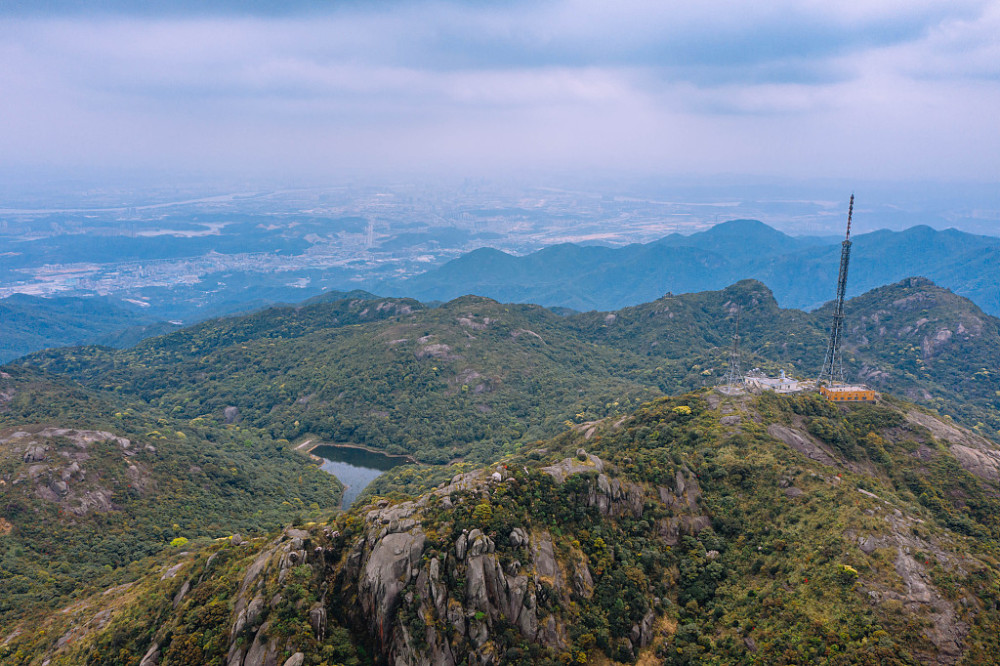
892 90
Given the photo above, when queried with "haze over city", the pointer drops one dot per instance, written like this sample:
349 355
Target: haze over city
315 145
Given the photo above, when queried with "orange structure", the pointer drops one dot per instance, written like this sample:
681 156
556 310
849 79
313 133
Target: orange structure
846 393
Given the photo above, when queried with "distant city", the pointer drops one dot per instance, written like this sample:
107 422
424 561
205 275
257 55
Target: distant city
310 240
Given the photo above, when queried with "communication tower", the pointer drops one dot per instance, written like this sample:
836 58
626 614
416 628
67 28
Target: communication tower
833 364
733 380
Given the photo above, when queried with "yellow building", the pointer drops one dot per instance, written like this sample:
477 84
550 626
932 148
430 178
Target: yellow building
848 393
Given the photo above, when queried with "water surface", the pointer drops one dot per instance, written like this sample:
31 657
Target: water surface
355 467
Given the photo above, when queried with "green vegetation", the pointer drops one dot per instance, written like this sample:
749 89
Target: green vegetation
761 554
476 379
778 559
175 481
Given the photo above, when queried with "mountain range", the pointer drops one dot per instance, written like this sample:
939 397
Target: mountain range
802 272
445 382
156 512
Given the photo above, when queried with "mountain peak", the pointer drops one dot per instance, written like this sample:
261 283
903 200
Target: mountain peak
742 227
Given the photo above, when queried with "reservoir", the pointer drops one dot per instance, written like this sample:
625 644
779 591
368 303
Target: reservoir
355 467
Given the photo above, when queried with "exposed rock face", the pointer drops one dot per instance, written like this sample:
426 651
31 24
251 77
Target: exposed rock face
802 442
152 657
389 567
55 465
946 631
584 462
984 464
231 414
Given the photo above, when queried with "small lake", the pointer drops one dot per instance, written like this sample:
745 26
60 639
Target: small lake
354 467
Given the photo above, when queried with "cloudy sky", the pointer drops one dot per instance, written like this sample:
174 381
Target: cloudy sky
883 89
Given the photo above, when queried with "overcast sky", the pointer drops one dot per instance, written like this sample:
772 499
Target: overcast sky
896 89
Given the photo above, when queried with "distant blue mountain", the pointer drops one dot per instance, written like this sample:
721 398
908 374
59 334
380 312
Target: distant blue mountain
802 272
30 323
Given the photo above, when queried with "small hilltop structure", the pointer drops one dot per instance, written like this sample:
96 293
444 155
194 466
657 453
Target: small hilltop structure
758 381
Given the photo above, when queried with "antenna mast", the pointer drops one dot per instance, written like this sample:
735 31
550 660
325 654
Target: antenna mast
733 379
833 364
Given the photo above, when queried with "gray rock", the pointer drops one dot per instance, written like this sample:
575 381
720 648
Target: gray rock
461 544
254 610
390 566
179 597
236 539
296 659
518 537
867 544
172 571
802 442
254 571
231 414
73 470
152 656
456 616
438 590
527 620
262 652
569 466
479 543
544 557
235 655
35 453
583 583
317 620
646 629
550 636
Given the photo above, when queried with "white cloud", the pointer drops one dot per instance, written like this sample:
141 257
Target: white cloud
894 89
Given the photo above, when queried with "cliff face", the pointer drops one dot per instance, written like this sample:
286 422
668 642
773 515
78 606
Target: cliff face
426 600
694 530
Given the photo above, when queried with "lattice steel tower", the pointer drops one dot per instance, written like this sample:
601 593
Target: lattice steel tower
833 364
734 377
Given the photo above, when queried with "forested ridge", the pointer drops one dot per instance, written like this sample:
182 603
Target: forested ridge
477 378
696 530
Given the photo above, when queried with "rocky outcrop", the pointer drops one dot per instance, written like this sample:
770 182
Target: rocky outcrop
977 455
944 629
583 463
802 442
390 566
55 468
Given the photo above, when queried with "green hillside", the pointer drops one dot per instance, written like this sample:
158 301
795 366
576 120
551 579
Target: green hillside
478 378
697 530
470 377
88 487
